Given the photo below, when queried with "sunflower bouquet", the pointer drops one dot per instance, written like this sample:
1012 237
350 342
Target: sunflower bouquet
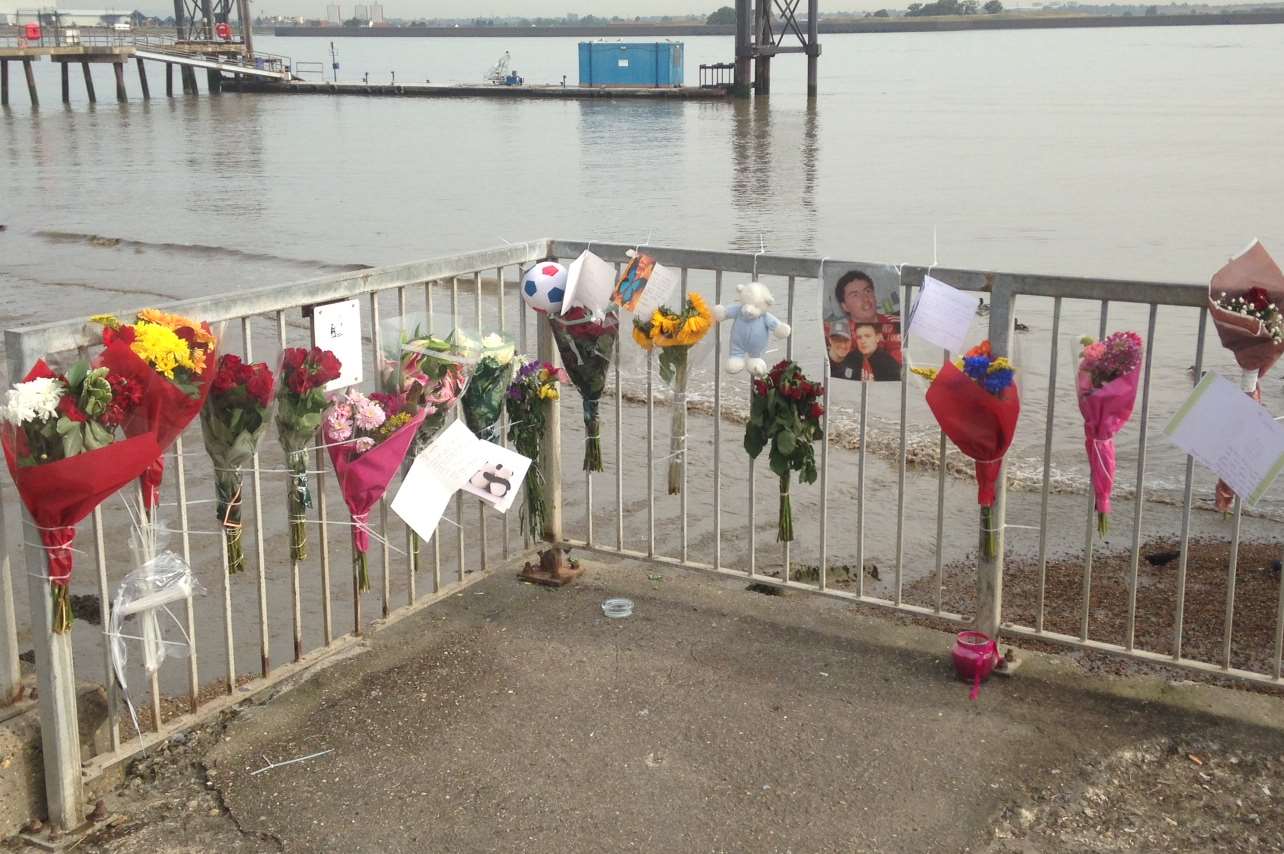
178 353
674 334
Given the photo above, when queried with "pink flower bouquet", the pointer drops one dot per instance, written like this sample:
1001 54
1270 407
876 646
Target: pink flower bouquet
367 438
1107 389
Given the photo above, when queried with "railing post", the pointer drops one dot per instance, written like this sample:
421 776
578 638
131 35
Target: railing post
989 571
551 449
10 672
56 675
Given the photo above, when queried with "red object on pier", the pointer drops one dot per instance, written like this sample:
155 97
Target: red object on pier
33 32
222 30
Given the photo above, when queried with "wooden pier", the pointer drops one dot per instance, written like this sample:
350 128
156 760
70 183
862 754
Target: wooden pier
430 90
218 61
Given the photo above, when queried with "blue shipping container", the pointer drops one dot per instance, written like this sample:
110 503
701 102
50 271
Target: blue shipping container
631 64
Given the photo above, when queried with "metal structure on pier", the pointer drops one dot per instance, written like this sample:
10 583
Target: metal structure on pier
767 28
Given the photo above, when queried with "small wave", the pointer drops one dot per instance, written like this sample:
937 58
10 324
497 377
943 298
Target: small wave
196 249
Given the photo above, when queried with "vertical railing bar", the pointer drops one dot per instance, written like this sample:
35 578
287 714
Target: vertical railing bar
860 489
1179 616
503 415
296 605
717 426
436 534
459 497
481 505
10 664
822 580
650 454
1277 661
411 595
1232 568
1091 528
1141 483
477 300
1047 464
265 642
376 342
228 640
940 515
619 451
681 401
193 675
104 615
900 462
789 316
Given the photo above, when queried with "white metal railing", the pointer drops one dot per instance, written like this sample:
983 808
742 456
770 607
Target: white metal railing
712 533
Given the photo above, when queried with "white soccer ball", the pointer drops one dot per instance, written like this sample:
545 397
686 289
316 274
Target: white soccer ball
544 286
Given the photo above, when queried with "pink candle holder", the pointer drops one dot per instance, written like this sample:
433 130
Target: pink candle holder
975 656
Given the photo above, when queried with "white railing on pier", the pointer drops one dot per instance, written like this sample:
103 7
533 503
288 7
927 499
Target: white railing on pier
294 606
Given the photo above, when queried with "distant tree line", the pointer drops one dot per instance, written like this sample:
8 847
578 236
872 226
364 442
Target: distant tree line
951 7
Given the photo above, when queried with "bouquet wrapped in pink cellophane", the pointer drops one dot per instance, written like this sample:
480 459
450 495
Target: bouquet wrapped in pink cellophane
1107 389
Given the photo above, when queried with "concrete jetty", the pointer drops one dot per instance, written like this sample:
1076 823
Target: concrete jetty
463 90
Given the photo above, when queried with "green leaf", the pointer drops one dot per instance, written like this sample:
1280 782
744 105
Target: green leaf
785 442
72 442
76 375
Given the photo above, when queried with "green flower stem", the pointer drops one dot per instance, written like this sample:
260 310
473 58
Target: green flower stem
785 523
678 423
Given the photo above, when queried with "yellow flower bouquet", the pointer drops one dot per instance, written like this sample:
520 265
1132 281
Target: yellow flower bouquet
674 334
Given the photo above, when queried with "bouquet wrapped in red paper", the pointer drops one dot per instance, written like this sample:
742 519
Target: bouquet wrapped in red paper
300 401
179 355
233 420
1245 299
367 438
976 403
1106 386
62 443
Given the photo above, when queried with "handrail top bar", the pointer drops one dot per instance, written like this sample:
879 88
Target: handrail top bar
1073 287
26 343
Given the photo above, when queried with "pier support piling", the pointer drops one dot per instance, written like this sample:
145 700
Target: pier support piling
740 84
215 80
813 46
31 82
169 80
189 80
65 74
4 82
142 80
118 68
89 82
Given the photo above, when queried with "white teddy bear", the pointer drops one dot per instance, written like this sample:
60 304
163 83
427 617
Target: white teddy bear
752 329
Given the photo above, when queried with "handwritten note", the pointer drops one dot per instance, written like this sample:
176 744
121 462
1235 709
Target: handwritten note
499 478
438 472
336 326
589 283
942 315
1229 433
663 282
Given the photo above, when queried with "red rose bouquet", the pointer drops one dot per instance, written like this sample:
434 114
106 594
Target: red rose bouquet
233 421
1247 316
587 346
785 413
61 443
300 400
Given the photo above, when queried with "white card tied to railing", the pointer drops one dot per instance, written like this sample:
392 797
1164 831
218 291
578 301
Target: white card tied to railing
589 284
942 315
1231 434
336 326
456 460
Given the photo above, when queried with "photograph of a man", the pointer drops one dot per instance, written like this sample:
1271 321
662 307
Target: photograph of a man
865 305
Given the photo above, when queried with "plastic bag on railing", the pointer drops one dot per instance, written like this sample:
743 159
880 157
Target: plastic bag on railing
161 579
493 363
430 372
